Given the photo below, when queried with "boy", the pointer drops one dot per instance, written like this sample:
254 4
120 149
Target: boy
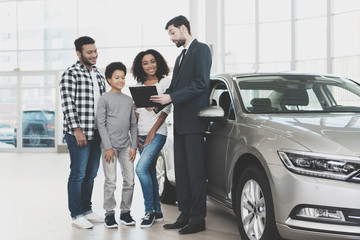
116 119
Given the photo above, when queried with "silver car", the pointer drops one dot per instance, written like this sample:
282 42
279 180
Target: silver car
165 168
282 150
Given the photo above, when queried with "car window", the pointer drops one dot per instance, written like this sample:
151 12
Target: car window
220 96
250 94
28 115
313 105
282 93
32 116
39 116
344 97
49 115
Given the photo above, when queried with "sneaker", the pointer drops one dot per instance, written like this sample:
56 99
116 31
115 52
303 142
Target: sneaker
110 221
126 219
82 222
148 220
159 217
94 218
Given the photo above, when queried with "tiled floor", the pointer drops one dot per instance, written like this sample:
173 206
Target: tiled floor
33 205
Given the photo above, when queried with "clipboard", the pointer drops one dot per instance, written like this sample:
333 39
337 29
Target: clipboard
141 96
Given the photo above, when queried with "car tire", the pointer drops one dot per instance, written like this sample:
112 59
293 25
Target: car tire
254 206
167 191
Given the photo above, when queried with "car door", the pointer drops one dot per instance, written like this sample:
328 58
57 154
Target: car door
217 142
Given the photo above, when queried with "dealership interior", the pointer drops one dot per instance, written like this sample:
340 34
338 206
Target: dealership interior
37 46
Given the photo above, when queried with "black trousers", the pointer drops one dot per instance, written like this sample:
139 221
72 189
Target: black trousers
190 176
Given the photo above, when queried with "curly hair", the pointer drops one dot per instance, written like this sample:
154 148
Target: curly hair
138 71
112 67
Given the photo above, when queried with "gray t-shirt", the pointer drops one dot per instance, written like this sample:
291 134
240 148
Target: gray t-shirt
116 121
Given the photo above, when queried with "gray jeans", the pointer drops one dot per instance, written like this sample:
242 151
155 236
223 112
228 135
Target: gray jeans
127 172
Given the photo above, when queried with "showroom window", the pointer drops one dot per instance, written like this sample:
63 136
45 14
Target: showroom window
36 48
296 35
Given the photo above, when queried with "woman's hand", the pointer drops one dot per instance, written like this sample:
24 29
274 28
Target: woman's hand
109 155
140 144
149 137
132 154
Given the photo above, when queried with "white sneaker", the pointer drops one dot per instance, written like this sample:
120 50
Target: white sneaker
94 218
82 222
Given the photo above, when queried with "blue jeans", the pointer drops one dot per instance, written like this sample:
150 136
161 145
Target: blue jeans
146 172
83 170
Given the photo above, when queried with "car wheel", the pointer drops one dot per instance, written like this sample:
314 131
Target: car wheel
167 191
254 206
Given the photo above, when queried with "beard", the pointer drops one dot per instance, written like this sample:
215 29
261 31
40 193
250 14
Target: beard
86 61
180 42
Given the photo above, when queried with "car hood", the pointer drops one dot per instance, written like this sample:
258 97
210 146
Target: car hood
325 133
6 131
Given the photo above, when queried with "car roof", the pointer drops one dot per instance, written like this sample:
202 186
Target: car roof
47 111
234 75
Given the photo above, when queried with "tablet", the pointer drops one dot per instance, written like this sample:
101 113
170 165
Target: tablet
141 96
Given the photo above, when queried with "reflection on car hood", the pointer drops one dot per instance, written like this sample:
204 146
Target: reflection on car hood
326 133
4 131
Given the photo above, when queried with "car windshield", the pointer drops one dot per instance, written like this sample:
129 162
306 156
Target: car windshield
39 115
49 115
298 93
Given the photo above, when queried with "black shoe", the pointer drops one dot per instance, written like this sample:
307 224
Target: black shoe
148 220
193 228
180 223
110 221
159 217
126 219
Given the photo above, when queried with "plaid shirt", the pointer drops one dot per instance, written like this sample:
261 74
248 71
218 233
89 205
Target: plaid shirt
77 99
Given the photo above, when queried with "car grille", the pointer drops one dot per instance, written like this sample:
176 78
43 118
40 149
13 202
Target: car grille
352 216
355 178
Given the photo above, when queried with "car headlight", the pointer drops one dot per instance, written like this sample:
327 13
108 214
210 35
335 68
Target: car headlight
320 165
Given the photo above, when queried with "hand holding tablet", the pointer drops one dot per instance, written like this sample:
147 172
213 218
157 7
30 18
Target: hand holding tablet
141 96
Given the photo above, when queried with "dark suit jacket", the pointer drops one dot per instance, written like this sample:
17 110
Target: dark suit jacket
189 88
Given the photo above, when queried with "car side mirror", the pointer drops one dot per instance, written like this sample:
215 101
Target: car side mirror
213 114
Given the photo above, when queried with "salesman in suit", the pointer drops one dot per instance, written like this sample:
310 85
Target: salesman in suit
188 92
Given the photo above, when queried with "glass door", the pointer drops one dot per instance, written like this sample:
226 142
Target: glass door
8 113
28 113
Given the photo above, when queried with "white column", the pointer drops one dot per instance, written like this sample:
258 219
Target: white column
293 35
257 37
329 37
197 19
206 24
214 33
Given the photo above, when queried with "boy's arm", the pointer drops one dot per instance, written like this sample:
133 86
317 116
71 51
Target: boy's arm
101 121
132 154
133 128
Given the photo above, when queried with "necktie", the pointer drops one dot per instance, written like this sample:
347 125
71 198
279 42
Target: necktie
182 56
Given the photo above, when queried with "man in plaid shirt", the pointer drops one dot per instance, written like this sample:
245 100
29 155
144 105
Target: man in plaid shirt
81 86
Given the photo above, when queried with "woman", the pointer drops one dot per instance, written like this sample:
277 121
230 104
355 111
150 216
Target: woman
150 68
